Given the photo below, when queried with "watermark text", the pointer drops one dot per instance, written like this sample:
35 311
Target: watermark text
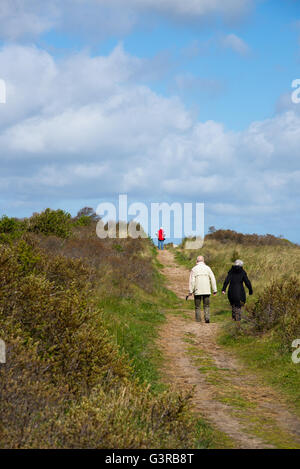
296 93
2 351
296 353
180 220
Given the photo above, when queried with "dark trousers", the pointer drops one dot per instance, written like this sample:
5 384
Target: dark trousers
236 312
205 300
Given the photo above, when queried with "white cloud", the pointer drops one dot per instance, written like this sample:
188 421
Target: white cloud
235 43
85 128
192 8
26 18
99 18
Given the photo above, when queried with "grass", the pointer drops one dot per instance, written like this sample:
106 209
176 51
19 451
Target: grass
266 428
209 437
243 407
262 263
264 355
134 325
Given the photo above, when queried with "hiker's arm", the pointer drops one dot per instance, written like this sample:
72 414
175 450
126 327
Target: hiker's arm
191 283
225 284
213 281
248 284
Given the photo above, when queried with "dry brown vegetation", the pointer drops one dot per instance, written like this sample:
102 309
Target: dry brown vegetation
227 236
66 384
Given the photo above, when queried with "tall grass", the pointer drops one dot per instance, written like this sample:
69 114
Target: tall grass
271 319
264 264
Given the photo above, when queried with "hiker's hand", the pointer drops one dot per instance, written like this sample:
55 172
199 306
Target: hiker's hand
215 293
224 292
187 297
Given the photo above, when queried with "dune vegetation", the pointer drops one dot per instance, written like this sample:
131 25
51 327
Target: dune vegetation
271 318
78 318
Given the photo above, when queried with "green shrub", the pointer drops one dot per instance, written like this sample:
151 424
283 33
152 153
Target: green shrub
128 417
8 225
278 309
27 257
11 228
51 222
59 316
28 399
66 384
83 220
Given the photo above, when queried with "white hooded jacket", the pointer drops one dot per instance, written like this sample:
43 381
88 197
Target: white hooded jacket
201 278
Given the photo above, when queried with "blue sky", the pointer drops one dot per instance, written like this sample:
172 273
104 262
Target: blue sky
163 100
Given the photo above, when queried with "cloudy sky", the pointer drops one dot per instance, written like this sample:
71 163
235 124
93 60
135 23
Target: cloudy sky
165 100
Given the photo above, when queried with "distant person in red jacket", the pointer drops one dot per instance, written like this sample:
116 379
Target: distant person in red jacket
161 238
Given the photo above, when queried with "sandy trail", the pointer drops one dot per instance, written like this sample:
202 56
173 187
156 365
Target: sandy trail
214 391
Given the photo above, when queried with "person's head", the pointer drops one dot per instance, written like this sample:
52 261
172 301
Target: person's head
200 259
238 263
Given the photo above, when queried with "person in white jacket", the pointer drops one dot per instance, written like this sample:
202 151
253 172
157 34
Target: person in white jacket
201 281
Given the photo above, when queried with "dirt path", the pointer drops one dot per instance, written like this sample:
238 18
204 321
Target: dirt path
226 394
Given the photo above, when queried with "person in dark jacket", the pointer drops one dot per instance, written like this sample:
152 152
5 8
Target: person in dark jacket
236 278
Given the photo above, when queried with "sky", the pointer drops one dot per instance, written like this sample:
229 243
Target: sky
162 100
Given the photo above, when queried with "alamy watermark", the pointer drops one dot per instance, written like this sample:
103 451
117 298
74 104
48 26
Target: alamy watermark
146 220
296 353
295 97
2 351
2 92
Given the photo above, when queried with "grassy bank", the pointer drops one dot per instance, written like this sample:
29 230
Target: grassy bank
264 355
134 324
271 318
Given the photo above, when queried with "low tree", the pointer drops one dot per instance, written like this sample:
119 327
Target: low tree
88 212
51 222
